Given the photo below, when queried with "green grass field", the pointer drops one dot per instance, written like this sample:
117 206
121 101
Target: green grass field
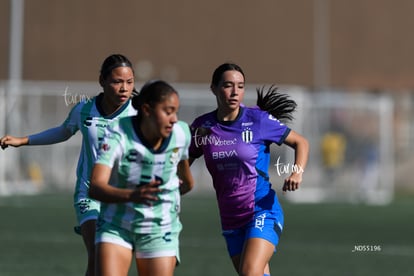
36 238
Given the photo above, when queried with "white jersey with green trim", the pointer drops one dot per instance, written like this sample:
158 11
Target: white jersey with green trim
87 117
125 150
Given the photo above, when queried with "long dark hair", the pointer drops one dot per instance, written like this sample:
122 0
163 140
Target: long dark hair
278 104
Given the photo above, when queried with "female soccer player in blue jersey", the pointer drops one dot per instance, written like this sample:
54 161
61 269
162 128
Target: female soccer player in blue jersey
90 118
148 154
235 142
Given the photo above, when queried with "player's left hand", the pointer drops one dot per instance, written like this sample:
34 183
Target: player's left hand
292 182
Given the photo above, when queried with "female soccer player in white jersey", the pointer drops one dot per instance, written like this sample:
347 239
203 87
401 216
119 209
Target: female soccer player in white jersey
235 142
90 118
148 153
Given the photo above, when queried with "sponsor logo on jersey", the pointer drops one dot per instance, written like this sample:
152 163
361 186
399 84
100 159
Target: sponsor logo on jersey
207 124
203 140
246 124
149 162
228 166
271 117
89 121
223 154
132 155
167 237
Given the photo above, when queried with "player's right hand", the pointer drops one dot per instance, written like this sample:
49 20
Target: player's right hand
147 193
9 140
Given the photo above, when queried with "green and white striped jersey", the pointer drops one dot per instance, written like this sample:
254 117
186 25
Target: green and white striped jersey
124 150
87 117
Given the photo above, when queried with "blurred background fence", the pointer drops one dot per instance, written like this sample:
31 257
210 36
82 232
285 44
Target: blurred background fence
360 141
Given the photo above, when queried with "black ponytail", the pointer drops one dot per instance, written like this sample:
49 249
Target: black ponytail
275 103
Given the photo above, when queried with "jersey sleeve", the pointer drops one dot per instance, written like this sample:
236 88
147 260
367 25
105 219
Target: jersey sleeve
272 129
110 148
73 120
60 133
187 140
50 136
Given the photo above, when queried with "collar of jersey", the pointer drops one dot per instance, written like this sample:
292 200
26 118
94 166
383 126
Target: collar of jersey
138 132
241 109
100 110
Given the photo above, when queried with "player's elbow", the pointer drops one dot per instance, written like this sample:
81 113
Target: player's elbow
304 144
186 186
93 191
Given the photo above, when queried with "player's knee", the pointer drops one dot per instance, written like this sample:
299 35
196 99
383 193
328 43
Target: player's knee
250 270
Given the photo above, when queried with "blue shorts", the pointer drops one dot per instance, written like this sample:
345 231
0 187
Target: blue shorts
266 225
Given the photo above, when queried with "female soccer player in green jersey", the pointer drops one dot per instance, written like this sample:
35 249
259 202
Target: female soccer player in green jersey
90 118
148 155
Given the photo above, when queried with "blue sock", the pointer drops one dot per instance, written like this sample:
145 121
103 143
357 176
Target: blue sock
266 274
